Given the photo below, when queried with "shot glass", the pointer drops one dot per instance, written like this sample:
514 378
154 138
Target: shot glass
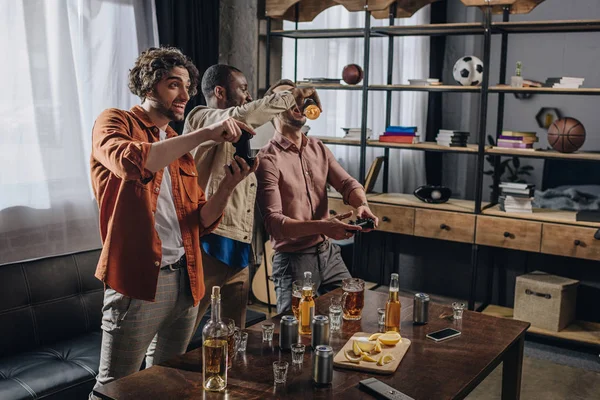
458 309
243 341
267 331
298 353
280 369
335 314
381 316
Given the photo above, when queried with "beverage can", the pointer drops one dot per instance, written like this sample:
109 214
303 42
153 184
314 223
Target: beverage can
320 331
322 368
288 332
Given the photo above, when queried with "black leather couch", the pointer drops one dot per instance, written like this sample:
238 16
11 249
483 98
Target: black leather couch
50 313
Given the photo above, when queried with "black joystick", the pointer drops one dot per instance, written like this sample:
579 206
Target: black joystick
365 223
243 150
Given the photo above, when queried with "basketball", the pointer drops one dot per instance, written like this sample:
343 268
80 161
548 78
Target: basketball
566 135
352 74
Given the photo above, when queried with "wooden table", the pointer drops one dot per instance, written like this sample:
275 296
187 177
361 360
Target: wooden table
429 370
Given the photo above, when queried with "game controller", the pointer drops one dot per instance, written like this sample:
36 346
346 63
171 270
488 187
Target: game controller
243 150
365 223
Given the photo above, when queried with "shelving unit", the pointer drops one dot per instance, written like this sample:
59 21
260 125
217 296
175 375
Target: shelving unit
456 210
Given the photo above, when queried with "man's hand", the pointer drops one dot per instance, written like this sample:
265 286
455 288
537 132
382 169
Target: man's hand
304 93
228 130
338 230
365 212
238 172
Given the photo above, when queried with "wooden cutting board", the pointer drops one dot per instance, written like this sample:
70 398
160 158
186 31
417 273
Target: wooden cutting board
398 351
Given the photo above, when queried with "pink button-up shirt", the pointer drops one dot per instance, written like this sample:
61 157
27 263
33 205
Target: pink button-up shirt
292 183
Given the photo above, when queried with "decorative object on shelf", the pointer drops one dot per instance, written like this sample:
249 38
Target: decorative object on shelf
517 80
354 133
546 116
352 74
566 135
468 71
400 134
373 173
450 138
424 82
509 170
564 82
515 6
517 140
433 194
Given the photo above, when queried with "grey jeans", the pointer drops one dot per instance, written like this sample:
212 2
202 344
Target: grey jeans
136 329
324 261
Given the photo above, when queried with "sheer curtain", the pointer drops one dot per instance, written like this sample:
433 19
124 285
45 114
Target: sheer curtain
343 109
65 61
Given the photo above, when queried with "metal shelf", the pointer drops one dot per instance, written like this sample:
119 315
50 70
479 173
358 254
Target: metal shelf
430 88
545 90
423 146
431 30
545 154
323 33
592 25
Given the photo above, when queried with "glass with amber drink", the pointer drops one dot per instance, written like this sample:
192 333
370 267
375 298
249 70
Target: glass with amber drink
353 299
231 350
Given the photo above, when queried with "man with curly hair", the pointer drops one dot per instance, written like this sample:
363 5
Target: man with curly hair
152 214
228 251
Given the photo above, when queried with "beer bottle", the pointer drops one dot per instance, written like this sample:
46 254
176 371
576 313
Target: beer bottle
214 347
307 305
311 110
393 307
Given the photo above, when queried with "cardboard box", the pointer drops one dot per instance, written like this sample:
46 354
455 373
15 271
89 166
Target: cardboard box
546 301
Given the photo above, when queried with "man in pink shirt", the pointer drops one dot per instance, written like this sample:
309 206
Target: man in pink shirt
292 195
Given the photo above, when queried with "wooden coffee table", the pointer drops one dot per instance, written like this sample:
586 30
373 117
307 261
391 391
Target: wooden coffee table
446 370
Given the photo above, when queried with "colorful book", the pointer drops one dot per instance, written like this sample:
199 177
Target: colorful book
399 139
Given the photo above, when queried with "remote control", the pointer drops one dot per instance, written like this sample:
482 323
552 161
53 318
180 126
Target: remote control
375 386
242 149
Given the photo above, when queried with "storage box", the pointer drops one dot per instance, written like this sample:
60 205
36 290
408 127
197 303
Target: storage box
546 301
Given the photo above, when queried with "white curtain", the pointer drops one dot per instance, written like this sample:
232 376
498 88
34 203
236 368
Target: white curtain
65 61
327 57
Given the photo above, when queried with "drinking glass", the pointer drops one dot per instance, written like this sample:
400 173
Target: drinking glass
353 299
267 331
335 314
298 353
458 309
231 345
243 341
381 316
280 369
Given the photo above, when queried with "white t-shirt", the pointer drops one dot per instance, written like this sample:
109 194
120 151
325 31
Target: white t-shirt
165 220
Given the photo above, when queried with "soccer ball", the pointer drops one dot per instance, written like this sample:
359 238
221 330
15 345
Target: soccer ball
468 71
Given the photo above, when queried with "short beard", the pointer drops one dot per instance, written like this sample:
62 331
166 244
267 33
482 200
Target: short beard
166 111
295 123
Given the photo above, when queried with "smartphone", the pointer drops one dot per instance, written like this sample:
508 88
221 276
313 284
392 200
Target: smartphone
444 334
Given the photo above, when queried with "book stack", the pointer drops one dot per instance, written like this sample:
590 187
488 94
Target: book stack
564 82
319 80
424 82
400 134
516 197
450 138
517 140
354 133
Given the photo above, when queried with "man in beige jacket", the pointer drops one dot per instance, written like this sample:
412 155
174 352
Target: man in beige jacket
226 253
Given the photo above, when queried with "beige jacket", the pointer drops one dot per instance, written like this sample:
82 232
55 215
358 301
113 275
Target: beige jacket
210 157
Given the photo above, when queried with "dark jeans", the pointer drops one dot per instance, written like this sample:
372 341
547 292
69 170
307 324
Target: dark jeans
324 261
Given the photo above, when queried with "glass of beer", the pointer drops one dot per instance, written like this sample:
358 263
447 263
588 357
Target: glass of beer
231 350
353 299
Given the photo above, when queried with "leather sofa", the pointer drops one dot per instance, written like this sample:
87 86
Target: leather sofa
50 314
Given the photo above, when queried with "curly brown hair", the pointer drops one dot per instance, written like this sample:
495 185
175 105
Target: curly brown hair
153 64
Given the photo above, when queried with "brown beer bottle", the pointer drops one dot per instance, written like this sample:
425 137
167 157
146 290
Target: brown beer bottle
311 110
393 307
307 305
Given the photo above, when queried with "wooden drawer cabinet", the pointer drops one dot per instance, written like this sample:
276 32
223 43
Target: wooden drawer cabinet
570 241
394 218
444 225
509 233
337 206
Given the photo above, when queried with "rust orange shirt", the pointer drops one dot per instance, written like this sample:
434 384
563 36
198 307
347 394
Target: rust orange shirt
126 193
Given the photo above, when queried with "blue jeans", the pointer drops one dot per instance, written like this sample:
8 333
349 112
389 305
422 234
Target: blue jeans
323 260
